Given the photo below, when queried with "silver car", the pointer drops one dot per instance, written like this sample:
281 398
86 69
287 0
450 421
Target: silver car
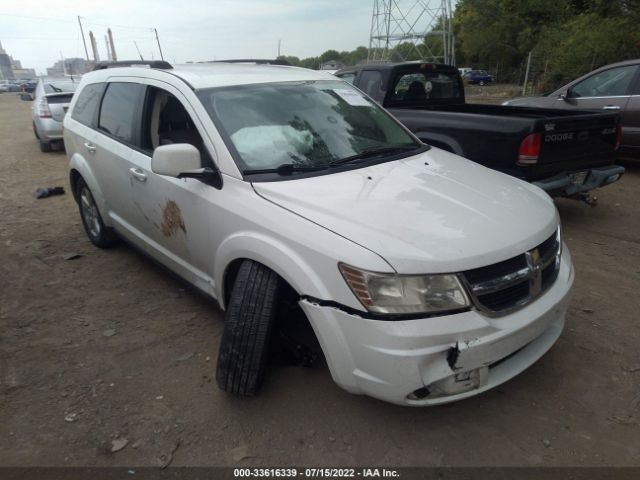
51 100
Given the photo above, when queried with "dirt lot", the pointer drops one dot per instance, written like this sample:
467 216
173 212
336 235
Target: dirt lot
109 346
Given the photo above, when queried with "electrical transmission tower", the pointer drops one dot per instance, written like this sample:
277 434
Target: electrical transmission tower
412 30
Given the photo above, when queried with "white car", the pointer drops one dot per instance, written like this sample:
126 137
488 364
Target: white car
427 278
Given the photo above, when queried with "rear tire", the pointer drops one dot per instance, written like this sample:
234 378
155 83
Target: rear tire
45 146
249 321
99 234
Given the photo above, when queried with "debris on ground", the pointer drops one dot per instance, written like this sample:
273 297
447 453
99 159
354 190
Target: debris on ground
72 256
118 444
109 333
48 192
546 442
634 369
185 357
71 417
239 453
167 459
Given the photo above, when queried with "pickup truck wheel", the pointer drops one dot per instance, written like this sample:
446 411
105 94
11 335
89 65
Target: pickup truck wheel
249 320
99 234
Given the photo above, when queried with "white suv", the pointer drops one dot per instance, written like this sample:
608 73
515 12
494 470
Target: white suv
427 278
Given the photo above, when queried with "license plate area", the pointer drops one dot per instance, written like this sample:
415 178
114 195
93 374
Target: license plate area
578 178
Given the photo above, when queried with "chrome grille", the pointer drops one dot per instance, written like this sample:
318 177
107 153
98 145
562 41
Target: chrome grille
506 286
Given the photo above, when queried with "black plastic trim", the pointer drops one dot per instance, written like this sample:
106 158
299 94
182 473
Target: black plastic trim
380 316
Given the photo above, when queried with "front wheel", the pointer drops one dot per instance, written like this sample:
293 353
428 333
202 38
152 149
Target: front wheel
99 234
249 320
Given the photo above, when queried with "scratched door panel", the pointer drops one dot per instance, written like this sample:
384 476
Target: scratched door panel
170 219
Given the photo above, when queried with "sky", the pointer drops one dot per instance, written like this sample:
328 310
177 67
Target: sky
38 32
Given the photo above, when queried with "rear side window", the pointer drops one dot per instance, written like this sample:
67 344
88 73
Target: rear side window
87 104
348 77
428 85
370 83
120 107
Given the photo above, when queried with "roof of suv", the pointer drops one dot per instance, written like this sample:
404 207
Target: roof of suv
208 75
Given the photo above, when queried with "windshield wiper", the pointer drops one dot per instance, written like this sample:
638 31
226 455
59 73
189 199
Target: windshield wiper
373 152
286 169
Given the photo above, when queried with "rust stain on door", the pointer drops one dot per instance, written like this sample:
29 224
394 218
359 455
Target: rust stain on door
172 219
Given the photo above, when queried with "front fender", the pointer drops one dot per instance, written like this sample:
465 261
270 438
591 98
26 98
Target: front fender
276 255
78 163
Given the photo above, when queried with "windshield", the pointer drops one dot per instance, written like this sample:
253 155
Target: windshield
310 124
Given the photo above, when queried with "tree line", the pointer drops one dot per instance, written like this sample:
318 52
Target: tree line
566 38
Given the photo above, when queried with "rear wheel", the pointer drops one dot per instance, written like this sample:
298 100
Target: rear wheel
45 146
99 234
249 321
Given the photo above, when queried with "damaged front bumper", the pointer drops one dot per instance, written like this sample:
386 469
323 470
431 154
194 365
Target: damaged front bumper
440 359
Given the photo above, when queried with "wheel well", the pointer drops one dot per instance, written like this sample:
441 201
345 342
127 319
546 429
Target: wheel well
437 144
295 330
74 176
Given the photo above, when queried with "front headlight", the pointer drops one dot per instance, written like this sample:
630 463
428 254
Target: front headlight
405 294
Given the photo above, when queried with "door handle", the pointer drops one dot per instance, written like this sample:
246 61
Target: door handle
138 174
90 146
611 107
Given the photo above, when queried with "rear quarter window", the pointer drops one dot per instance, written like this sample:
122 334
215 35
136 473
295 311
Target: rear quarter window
119 111
87 104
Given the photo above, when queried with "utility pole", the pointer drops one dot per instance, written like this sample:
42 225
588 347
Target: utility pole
158 40
114 57
84 42
526 75
94 47
136 44
106 44
279 41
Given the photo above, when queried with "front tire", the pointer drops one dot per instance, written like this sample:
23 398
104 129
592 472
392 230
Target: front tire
249 320
99 234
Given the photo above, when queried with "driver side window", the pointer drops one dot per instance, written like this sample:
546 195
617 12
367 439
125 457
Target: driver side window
612 82
166 121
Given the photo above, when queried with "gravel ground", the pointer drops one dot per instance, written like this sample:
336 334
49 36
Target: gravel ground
108 352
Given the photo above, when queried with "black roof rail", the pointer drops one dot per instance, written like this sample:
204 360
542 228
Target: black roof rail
253 60
130 63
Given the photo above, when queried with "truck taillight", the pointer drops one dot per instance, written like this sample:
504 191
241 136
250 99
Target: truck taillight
530 149
43 108
618 136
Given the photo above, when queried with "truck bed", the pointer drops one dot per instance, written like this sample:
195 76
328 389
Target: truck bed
492 134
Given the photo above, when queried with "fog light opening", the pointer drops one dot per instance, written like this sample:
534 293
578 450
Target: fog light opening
419 394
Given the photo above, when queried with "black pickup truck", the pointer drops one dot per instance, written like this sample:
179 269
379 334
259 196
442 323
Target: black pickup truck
567 153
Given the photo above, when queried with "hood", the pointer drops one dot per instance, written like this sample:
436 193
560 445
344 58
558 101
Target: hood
430 213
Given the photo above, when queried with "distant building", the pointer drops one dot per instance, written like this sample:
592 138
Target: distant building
69 66
11 69
331 65
24 73
6 65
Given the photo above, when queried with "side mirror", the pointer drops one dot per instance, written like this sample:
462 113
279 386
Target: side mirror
565 95
26 97
174 159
